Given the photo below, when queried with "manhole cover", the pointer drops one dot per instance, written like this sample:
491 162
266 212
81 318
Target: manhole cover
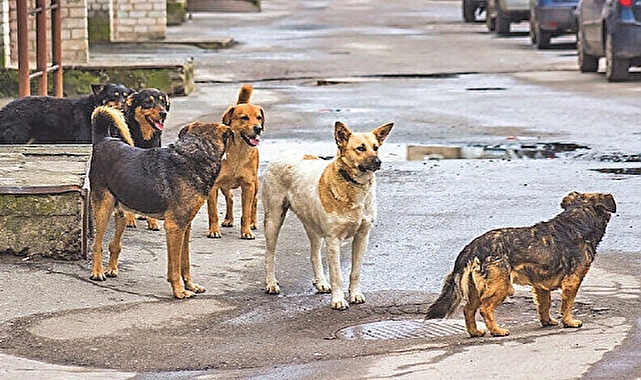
404 329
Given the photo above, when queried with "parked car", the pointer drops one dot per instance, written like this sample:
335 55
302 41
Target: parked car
610 29
501 13
551 18
471 8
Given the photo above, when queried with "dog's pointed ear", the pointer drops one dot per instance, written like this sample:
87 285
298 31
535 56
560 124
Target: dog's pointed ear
341 134
184 130
97 88
382 132
262 117
569 199
608 203
227 116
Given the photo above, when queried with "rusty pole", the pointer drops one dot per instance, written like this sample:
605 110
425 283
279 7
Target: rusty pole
41 46
56 47
23 49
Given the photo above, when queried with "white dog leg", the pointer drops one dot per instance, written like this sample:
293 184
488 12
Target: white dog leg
334 266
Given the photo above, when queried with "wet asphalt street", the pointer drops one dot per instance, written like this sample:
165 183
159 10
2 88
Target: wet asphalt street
365 63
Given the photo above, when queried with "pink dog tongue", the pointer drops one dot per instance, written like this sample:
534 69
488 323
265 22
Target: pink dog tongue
159 125
254 141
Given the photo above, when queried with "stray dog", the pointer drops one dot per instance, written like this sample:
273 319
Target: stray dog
240 166
334 201
145 114
170 183
548 256
51 120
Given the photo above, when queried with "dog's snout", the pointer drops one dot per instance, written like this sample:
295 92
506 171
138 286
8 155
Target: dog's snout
258 129
163 114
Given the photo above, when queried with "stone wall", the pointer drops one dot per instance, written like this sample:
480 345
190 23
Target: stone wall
137 21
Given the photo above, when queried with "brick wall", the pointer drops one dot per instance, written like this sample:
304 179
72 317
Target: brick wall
135 20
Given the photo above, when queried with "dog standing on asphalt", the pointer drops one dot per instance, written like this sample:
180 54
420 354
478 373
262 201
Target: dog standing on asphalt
334 202
145 114
547 256
240 166
52 120
170 183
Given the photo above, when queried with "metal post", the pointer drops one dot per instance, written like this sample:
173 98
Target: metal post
23 49
41 45
56 47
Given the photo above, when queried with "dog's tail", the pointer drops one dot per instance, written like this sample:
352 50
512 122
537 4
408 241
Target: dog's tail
104 119
455 288
245 94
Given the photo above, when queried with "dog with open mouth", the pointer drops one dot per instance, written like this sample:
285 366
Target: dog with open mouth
239 167
145 113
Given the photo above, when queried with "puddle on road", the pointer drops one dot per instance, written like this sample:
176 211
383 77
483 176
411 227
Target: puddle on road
625 171
509 149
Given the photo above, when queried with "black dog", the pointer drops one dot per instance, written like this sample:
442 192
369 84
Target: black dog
51 120
145 113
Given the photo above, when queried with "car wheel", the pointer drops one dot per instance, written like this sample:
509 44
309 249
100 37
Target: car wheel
587 63
502 24
542 39
468 11
616 69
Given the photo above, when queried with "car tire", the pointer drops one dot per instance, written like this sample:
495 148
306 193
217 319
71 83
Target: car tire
616 69
542 39
502 24
468 11
587 63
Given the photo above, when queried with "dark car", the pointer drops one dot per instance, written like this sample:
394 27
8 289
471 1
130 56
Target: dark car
551 18
471 8
501 13
610 29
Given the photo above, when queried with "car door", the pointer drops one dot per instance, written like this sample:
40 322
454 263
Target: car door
591 24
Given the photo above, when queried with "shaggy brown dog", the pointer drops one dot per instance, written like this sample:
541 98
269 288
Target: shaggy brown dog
170 183
548 256
240 166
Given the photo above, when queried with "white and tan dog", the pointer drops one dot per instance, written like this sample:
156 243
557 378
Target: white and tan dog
334 201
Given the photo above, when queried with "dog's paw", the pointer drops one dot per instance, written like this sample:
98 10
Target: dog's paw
323 287
152 224
131 224
574 323
247 235
253 226
227 223
97 276
357 297
272 287
500 332
111 272
476 333
183 293
549 322
195 287
340 304
214 234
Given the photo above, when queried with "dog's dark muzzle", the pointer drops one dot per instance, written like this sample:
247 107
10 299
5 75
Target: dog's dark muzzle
371 164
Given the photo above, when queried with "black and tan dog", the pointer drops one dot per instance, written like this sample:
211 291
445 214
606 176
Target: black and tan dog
51 120
170 183
145 114
240 166
550 255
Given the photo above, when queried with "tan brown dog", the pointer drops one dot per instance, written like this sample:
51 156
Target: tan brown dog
334 201
170 183
240 166
547 256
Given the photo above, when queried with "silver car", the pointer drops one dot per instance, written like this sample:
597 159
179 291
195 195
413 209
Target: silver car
610 29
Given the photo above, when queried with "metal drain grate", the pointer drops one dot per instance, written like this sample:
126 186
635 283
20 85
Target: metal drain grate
403 329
